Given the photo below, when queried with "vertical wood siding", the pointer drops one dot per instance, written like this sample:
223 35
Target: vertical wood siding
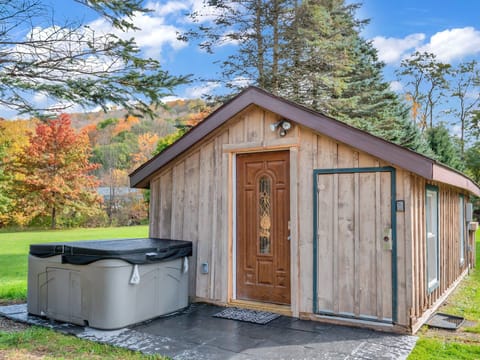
449 245
353 282
353 214
190 200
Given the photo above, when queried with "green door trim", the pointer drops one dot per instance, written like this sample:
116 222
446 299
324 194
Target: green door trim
392 172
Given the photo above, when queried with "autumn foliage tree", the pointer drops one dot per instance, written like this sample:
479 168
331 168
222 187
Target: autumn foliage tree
183 126
54 169
146 146
5 201
13 138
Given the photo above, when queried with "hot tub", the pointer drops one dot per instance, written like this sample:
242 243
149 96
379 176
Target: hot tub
108 284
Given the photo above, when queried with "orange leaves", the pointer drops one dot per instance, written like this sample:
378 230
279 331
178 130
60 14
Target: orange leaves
146 145
195 118
55 148
176 103
147 141
49 162
92 133
56 170
125 124
115 178
419 117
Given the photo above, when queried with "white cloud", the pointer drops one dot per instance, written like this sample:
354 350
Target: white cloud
228 38
241 82
456 130
171 98
40 98
171 7
453 44
472 95
58 41
61 107
396 86
199 91
391 50
448 45
154 33
159 28
205 13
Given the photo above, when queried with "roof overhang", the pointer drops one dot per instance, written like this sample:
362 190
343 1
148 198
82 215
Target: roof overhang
373 145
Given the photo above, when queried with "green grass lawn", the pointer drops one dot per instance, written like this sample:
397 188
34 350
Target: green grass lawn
465 301
40 343
14 248
437 349
36 342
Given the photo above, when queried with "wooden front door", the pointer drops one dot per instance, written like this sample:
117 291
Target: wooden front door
263 214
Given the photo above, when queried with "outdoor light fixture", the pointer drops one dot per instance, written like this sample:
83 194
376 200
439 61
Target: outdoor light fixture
282 126
286 125
274 126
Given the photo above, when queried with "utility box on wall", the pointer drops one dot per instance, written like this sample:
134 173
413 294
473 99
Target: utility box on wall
469 212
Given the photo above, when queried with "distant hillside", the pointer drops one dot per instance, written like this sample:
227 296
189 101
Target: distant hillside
173 112
119 143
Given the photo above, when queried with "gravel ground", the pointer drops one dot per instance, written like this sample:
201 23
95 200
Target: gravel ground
11 326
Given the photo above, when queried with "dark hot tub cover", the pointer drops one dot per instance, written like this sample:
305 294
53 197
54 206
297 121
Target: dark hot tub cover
133 251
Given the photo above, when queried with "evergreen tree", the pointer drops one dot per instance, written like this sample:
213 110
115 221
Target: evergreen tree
318 54
309 52
472 161
474 125
445 148
368 103
71 63
338 73
256 27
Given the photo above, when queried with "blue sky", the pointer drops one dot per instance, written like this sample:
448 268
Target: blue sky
450 29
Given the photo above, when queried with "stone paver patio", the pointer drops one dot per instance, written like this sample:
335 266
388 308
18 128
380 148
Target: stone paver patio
195 334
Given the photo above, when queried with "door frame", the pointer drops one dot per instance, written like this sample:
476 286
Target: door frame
393 214
292 309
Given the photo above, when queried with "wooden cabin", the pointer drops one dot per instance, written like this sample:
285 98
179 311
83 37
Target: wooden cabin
294 212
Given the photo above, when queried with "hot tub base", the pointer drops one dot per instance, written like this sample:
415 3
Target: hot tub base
106 294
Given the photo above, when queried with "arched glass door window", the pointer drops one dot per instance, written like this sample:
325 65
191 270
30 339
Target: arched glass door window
265 214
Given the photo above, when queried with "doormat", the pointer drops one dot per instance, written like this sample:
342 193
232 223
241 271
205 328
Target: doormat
445 321
247 315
